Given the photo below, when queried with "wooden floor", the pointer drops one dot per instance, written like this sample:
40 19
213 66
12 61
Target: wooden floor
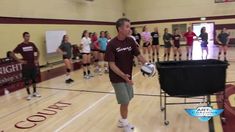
94 108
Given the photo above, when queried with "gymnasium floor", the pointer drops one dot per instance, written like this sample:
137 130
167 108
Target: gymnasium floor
94 109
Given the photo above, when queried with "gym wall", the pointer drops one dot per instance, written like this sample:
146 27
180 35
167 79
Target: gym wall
164 13
218 23
102 12
139 10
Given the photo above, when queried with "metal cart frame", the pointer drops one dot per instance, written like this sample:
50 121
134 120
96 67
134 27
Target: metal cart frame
206 99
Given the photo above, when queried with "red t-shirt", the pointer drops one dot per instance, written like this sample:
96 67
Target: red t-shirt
28 51
122 53
189 36
95 44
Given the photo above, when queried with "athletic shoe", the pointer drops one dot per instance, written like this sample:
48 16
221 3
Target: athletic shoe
67 81
123 125
134 64
91 75
106 70
29 97
86 77
35 94
71 80
128 129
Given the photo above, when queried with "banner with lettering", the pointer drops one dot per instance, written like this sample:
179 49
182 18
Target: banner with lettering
10 75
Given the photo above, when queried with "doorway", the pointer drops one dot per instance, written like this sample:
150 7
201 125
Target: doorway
197 52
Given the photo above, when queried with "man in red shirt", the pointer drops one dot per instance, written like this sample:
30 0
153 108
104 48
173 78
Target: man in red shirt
189 41
120 53
30 54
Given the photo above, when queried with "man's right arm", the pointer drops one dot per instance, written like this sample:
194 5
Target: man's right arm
60 51
17 59
116 70
17 50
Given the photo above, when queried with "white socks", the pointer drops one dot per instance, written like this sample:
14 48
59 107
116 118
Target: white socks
124 121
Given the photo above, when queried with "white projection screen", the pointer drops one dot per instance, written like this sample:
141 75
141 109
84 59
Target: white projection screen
53 40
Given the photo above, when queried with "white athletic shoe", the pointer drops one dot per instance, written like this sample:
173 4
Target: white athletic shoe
86 77
100 71
36 94
128 129
124 125
91 75
29 97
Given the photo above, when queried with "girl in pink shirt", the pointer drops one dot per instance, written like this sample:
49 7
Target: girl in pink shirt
146 37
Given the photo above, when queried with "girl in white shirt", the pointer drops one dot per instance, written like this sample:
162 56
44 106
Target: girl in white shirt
86 54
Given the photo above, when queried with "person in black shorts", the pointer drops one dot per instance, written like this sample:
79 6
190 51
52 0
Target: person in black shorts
95 49
65 49
204 41
103 41
176 41
30 54
86 54
223 40
136 35
167 38
155 44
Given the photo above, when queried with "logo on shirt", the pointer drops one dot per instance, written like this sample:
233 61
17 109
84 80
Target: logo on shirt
155 36
26 49
119 49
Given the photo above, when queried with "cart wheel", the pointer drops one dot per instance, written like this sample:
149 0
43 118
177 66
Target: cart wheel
166 123
223 119
162 108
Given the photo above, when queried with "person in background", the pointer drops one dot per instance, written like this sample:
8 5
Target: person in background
95 48
223 40
136 35
130 35
167 38
90 34
65 49
146 37
106 34
189 36
30 54
176 40
86 54
204 41
9 54
109 37
155 44
103 41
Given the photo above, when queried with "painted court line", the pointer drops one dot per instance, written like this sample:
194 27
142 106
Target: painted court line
86 110
31 103
99 92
